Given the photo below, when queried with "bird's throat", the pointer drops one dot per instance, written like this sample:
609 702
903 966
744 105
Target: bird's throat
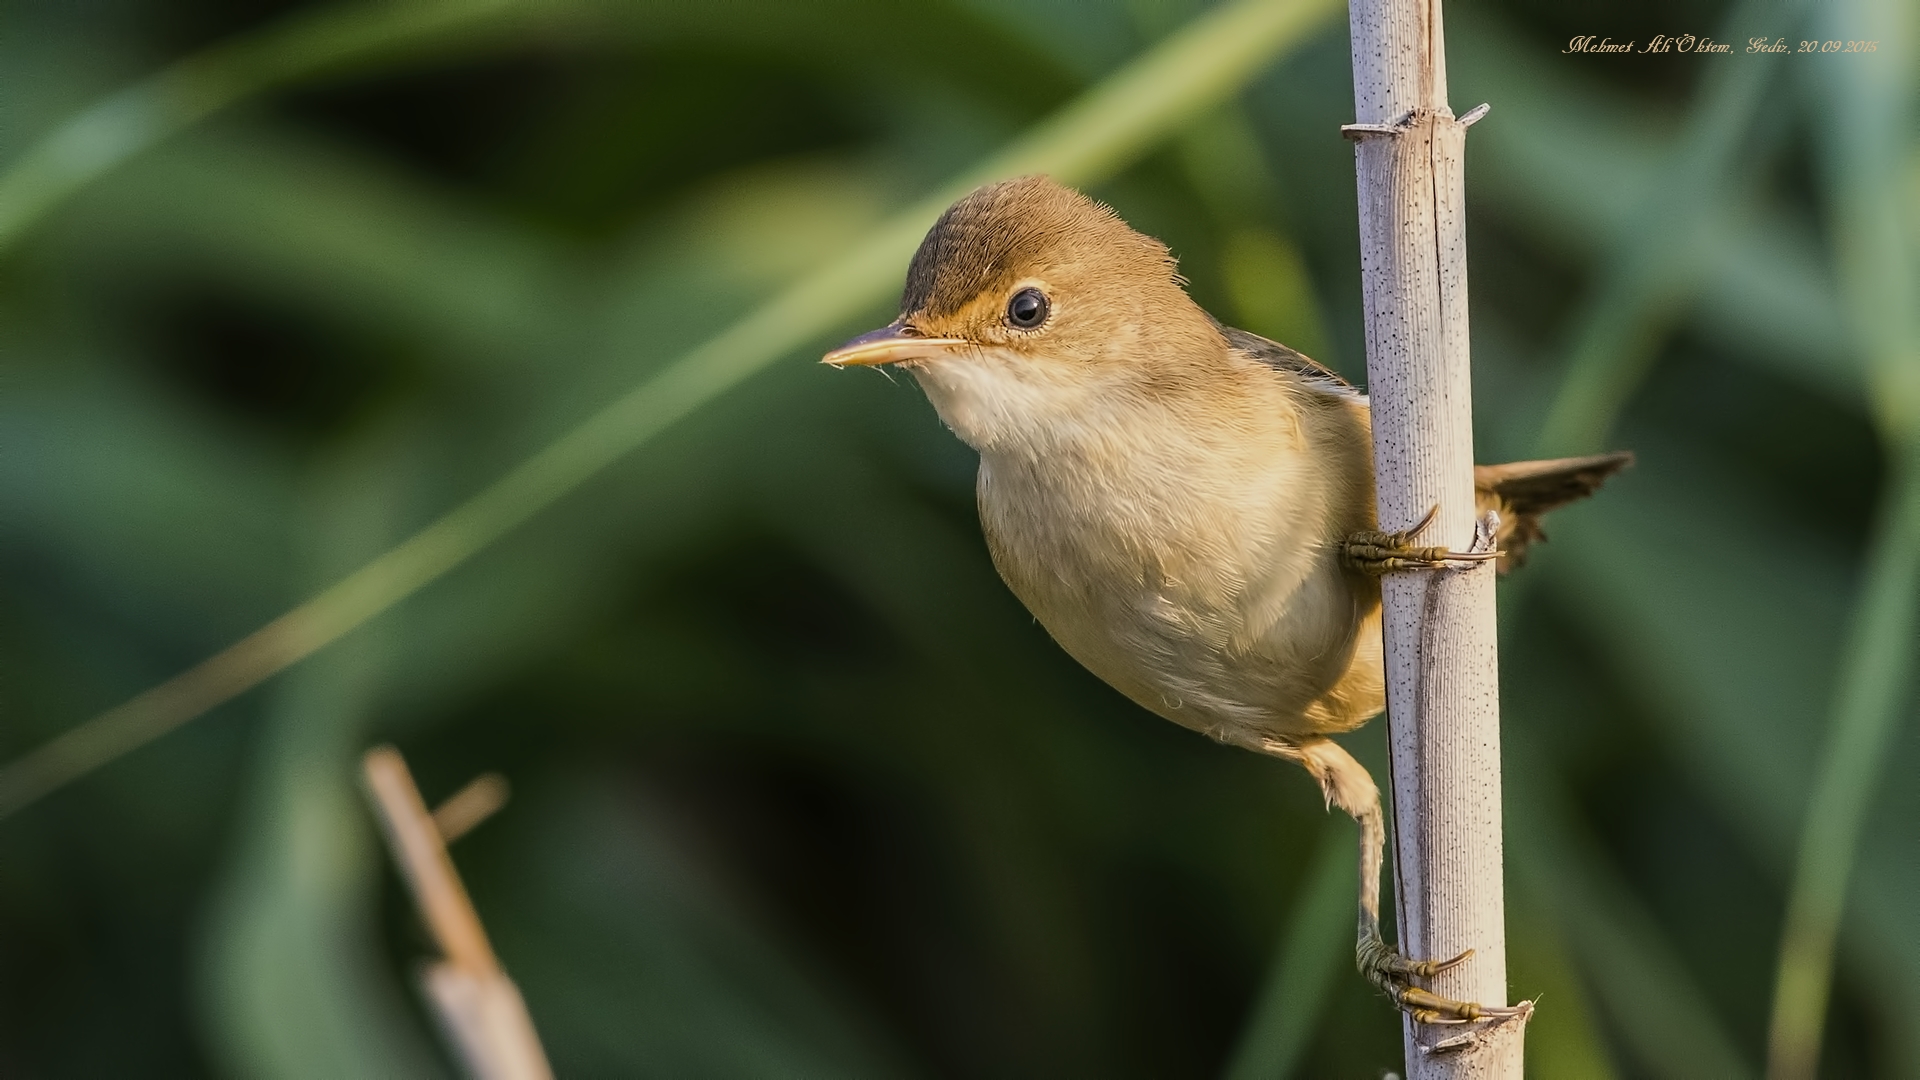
1008 404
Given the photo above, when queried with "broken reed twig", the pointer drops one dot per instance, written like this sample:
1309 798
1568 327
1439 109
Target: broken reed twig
481 1009
483 796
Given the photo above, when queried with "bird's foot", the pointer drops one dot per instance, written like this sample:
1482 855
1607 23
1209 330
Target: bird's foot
1393 974
1371 551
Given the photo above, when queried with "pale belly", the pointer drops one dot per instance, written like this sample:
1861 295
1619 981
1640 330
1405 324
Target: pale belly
1242 641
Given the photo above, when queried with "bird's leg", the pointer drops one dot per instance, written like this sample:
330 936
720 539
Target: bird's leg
1374 552
1346 785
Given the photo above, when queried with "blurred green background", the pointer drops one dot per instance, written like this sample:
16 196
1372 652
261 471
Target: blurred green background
799 788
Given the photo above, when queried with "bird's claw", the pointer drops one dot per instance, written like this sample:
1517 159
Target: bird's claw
1372 551
1393 973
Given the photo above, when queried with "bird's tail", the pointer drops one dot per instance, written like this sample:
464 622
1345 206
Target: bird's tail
1522 492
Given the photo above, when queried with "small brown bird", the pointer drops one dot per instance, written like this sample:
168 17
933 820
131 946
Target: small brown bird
1187 508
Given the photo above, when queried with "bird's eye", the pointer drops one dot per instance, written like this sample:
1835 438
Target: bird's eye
1027 309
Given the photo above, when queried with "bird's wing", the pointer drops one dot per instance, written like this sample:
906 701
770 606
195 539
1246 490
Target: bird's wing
1316 375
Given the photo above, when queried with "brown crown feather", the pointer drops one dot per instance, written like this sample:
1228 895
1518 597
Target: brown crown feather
1021 226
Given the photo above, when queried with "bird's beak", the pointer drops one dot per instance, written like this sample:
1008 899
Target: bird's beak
889 345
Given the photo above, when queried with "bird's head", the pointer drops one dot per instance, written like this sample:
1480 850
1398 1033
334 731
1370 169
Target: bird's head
1031 310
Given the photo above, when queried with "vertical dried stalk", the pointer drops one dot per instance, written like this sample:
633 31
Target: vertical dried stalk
480 1007
1442 664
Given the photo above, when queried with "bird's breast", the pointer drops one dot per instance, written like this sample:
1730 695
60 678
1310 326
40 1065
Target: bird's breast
1201 585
